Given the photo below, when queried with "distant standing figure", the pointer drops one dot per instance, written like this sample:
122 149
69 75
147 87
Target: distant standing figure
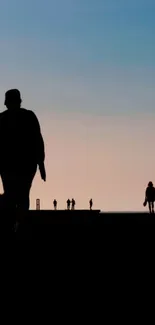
37 204
68 204
21 151
91 204
73 204
150 197
55 204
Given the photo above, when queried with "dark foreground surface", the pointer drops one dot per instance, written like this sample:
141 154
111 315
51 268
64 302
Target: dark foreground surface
127 218
86 217
41 223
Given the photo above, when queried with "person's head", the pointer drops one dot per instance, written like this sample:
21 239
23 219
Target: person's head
12 99
150 184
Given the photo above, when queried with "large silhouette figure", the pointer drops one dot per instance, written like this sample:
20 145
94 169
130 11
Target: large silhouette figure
21 151
150 197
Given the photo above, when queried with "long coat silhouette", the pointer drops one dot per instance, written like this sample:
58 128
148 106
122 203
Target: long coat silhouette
21 151
150 197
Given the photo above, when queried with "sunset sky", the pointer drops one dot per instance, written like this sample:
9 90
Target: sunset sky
87 69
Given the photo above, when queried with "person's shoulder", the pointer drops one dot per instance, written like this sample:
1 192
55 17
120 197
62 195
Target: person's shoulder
29 113
3 115
26 111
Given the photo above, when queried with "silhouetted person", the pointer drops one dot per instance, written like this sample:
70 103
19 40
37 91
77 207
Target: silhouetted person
68 204
90 204
21 151
150 197
73 204
55 204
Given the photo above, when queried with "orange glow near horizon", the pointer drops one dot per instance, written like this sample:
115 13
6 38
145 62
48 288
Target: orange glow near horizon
105 158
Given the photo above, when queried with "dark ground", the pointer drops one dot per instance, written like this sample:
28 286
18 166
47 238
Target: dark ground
40 223
127 218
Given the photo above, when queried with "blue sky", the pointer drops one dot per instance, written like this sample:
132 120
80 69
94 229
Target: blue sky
91 31
77 37
89 55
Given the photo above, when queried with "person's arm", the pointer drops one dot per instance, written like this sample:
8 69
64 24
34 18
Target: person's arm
146 195
40 148
42 171
39 140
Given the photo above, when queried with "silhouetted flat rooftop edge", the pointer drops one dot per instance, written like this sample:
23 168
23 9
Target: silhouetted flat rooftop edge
123 212
66 210
82 211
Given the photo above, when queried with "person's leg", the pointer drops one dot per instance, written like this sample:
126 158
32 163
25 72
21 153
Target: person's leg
9 186
150 210
8 208
23 201
152 207
24 186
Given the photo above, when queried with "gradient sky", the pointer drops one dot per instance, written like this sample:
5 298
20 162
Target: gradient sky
87 69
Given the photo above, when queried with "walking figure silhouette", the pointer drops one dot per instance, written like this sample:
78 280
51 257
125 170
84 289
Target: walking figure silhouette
150 197
21 151
68 204
55 204
90 204
73 204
